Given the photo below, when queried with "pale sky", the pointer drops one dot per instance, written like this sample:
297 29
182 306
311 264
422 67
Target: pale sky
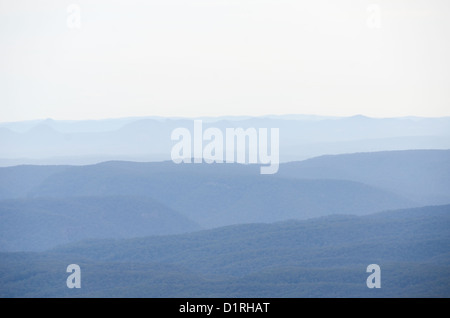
223 57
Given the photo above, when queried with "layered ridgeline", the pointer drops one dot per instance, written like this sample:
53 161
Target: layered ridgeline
44 206
149 139
320 257
39 224
113 219
418 174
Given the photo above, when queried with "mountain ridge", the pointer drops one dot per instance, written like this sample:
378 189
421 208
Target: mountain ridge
322 257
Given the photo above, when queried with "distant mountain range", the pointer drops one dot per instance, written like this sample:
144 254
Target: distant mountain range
44 206
148 138
321 257
160 229
420 175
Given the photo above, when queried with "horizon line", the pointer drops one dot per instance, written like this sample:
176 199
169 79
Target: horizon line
220 116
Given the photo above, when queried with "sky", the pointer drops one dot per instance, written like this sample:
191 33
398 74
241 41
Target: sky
91 59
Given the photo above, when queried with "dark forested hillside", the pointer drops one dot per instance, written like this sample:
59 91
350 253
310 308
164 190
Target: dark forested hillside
322 257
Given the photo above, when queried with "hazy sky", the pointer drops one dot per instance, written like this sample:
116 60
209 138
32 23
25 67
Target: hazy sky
223 57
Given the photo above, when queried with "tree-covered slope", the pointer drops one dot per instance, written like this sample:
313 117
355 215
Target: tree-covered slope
322 257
